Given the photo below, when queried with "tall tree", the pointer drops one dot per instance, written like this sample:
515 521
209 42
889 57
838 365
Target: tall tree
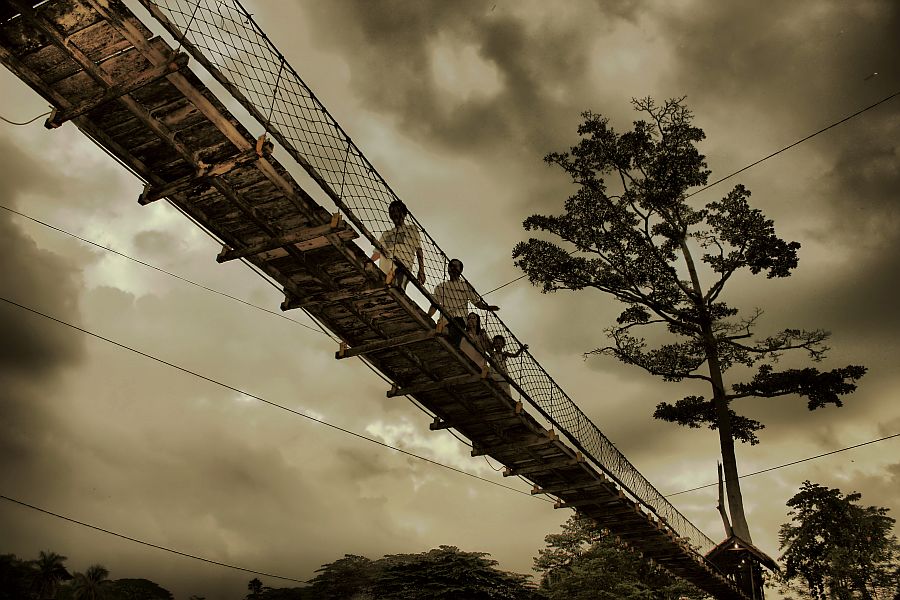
48 571
93 584
347 577
255 587
582 562
15 576
838 548
447 573
648 247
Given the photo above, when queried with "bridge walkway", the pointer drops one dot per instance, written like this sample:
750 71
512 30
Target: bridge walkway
131 92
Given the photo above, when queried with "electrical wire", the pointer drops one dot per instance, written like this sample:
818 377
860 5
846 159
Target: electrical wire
321 329
753 164
797 143
796 462
154 267
5 120
146 543
265 401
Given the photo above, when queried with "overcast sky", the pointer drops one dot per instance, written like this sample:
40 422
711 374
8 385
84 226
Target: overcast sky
455 103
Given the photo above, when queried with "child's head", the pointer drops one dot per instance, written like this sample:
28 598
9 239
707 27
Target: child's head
473 322
499 342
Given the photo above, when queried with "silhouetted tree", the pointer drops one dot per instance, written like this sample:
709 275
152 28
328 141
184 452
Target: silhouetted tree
837 548
447 573
347 577
256 587
582 562
48 572
92 584
138 589
648 247
15 577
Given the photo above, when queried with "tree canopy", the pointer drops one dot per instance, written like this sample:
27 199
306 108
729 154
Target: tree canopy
582 562
445 572
837 548
630 231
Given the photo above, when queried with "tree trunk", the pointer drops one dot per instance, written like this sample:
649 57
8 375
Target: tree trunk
723 416
726 441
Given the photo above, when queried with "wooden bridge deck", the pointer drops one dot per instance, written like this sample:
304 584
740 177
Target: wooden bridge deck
101 68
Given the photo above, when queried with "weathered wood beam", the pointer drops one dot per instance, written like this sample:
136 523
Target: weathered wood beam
570 487
403 340
573 503
60 116
292 302
433 385
502 416
304 240
545 465
204 172
203 104
548 439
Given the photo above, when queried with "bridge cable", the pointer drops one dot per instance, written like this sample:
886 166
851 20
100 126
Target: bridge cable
265 401
753 164
146 543
796 462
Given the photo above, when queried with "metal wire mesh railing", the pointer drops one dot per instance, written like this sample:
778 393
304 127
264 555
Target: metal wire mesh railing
223 37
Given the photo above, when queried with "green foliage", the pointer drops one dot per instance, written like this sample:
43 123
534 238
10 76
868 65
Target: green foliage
93 584
639 245
838 549
137 589
442 573
583 563
48 571
15 576
447 573
344 578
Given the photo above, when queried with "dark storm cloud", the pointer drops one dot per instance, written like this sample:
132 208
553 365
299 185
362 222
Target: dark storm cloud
30 275
34 351
810 57
395 72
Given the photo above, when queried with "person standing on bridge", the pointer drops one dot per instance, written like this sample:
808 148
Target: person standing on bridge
498 352
401 242
454 295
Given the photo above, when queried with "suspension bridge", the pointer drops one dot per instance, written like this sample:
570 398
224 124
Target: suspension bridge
139 97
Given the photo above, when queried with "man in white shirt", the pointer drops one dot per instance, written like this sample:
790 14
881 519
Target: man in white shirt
401 242
454 295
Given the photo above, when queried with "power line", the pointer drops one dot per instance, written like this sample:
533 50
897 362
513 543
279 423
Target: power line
319 329
154 267
264 401
797 143
146 543
796 462
753 164
5 120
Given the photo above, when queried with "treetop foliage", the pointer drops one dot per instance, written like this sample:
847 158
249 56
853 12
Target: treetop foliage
629 230
837 548
583 562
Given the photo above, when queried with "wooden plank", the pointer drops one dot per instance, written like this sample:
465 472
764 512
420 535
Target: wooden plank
545 466
433 385
545 441
574 503
570 488
311 236
201 176
404 340
58 117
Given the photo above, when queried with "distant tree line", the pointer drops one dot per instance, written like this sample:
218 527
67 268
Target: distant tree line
833 549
